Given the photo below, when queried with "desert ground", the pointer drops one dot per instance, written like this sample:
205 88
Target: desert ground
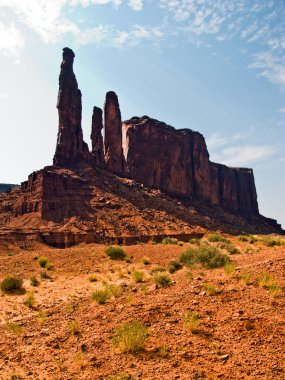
199 323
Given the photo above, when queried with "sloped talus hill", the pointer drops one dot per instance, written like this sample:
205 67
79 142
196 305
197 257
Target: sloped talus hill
144 180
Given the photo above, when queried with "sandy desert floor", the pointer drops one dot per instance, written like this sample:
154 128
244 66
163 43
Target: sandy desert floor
62 333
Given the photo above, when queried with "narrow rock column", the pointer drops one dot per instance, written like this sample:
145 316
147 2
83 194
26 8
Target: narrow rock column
70 147
96 137
113 134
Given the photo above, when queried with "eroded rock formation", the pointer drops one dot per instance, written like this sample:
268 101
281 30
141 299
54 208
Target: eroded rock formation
83 196
96 137
113 134
70 147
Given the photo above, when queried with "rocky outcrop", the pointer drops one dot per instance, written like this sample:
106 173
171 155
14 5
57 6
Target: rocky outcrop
113 134
97 138
177 162
70 147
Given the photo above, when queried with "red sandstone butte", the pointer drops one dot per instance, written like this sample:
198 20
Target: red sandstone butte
96 137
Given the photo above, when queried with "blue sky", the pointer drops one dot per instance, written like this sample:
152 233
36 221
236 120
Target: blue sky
216 66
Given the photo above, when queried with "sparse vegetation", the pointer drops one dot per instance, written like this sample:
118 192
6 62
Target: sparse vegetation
145 260
130 336
73 327
246 277
138 275
14 328
230 270
92 278
101 296
169 240
127 259
210 289
194 241
113 290
11 284
207 256
189 275
161 279
44 275
267 281
43 262
248 238
115 253
120 376
34 281
230 248
173 266
217 238
42 317
156 269
191 321
30 300
273 241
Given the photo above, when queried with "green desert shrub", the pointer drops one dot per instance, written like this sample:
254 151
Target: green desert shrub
115 253
11 284
169 240
101 296
138 275
145 260
34 281
215 238
30 300
113 290
230 270
191 321
92 278
267 281
161 279
248 238
14 328
210 289
43 262
130 336
230 248
194 241
44 275
73 327
157 268
207 256
273 241
173 266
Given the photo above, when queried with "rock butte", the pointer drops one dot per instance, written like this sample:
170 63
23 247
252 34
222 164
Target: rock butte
145 180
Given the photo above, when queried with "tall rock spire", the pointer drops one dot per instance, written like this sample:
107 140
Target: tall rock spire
70 147
96 137
113 134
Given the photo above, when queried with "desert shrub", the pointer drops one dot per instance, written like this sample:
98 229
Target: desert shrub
73 327
191 321
267 281
145 260
127 259
194 241
34 281
161 279
210 289
43 262
113 290
209 257
138 275
180 243
115 253
230 248
15 377
130 336
101 296
173 266
230 269
44 275
30 300
273 241
248 238
42 317
214 238
169 240
15 328
11 284
92 278
156 269
120 376
189 275
246 277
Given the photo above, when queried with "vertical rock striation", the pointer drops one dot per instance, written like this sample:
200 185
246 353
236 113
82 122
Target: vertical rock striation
177 162
97 138
113 134
70 147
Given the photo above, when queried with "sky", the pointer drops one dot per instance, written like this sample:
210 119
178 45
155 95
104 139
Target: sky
214 66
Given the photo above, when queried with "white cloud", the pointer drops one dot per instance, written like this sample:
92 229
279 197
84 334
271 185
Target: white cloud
216 140
244 155
136 5
136 35
11 40
270 66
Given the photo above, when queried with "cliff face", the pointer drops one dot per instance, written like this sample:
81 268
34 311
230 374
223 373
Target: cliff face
177 162
70 147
